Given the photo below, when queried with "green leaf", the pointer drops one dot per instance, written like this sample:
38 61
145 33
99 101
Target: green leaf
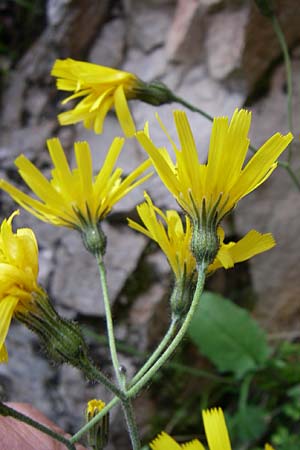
247 425
228 336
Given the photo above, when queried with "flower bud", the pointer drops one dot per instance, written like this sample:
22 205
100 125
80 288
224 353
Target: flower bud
61 338
98 434
94 239
155 93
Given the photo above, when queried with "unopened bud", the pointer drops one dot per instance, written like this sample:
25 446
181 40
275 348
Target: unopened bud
98 434
94 239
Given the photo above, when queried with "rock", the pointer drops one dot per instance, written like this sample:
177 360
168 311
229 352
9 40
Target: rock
35 104
148 26
24 381
147 67
29 140
184 36
261 44
12 101
108 49
74 262
225 42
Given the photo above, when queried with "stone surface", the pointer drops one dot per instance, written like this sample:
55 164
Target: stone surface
261 46
225 42
186 32
73 262
148 26
108 49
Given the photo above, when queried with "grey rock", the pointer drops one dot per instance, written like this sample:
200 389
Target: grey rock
185 36
225 42
148 25
261 44
35 104
56 11
12 100
29 140
108 48
24 381
73 262
147 67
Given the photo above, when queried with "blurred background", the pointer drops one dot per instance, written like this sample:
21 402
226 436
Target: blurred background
217 54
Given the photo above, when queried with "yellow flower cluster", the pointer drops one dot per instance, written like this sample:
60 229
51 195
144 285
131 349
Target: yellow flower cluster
76 198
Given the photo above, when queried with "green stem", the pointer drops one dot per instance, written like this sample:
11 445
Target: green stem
162 359
288 67
126 403
292 174
170 364
134 390
93 374
109 321
188 105
131 424
94 420
160 348
7 411
244 392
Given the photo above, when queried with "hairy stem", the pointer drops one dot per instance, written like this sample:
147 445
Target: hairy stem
160 348
109 321
134 390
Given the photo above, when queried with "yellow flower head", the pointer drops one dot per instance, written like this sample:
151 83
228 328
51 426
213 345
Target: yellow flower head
74 198
174 239
100 88
94 407
215 187
18 275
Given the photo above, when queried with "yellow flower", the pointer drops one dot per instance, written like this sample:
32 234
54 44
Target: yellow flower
101 88
250 245
74 198
211 190
18 275
174 240
93 408
215 430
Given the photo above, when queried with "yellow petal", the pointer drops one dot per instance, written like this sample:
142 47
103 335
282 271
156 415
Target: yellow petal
7 307
268 447
193 445
261 165
164 442
216 430
3 354
123 112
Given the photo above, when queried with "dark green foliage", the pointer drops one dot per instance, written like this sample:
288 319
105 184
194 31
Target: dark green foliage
228 336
